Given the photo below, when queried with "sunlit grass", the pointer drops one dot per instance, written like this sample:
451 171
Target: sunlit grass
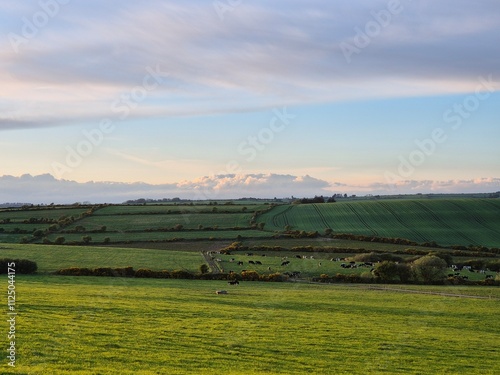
91 325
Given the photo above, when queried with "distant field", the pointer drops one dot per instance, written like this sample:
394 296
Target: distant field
163 236
143 222
110 326
170 208
445 221
18 215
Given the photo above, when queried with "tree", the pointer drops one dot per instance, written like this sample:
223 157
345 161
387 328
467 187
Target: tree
446 257
60 240
261 226
38 233
86 239
386 270
204 269
328 231
429 269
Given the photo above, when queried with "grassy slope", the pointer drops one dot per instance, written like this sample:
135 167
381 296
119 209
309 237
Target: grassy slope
122 326
446 221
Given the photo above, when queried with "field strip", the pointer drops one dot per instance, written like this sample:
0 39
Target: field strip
442 223
320 214
431 293
476 218
401 221
360 218
283 213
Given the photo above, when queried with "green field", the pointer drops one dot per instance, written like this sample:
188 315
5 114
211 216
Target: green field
53 258
446 221
165 236
139 222
106 326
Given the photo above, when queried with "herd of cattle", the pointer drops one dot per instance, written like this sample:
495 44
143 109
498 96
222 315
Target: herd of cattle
345 264
285 262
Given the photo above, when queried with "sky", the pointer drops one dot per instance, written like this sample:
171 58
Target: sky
108 101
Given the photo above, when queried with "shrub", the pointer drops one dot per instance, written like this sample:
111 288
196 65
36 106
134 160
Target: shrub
429 269
60 240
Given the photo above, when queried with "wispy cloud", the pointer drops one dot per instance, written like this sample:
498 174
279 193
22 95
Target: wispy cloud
263 54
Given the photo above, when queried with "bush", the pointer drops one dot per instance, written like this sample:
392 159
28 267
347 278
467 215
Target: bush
60 240
429 269
386 271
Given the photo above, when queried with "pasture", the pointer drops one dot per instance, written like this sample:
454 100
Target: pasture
109 326
53 258
446 221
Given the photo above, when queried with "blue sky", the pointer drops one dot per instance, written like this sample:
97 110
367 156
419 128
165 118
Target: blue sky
229 99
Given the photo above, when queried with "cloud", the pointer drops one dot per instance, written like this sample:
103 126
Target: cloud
46 189
263 54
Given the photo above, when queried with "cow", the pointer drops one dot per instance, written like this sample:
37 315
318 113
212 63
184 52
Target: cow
285 263
233 282
258 262
221 292
251 262
489 277
240 263
298 256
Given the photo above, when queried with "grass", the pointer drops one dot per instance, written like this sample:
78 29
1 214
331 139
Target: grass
143 222
129 326
18 215
162 236
51 258
175 209
445 221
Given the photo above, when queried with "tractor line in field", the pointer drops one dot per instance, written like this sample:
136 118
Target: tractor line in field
285 218
441 222
360 218
321 216
401 221
475 217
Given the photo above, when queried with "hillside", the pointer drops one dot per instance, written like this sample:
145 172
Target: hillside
446 221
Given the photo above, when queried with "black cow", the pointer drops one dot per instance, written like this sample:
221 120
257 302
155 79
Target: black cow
285 263
258 262
251 262
240 263
234 282
298 256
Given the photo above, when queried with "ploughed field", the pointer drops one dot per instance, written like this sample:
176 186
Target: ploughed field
87 325
444 221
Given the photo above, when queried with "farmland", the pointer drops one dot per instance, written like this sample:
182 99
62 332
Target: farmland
444 221
131 326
